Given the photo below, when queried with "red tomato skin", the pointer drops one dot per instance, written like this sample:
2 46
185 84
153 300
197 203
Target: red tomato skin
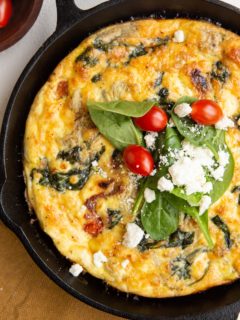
5 12
94 227
206 112
138 160
154 120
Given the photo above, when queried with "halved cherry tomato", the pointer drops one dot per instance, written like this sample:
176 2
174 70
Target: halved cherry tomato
154 120
5 12
206 112
138 159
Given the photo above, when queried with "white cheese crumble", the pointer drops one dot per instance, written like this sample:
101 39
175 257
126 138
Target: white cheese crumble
189 173
207 188
150 139
223 158
94 163
179 36
171 124
224 123
125 263
133 235
183 110
99 258
76 269
204 204
218 173
149 195
165 184
153 172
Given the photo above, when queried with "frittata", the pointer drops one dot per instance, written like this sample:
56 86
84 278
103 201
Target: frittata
78 185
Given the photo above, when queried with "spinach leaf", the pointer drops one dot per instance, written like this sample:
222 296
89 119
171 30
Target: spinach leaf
198 135
159 218
117 128
86 58
179 239
220 72
183 206
114 216
172 139
146 244
62 181
180 267
125 108
224 228
72 155
219 187
97 77
137 52
193 199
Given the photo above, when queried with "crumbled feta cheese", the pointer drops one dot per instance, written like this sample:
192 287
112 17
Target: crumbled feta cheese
99 258
150 139
94 163
204 204
218 173
165 184
203 155
207 187
179 36
125 263
189 173
224 123
149 195
133 235
171 124
153 172
223 158
76 269
183 110
147 236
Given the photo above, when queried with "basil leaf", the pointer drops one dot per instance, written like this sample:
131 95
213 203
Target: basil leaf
118 129
159 218
126 108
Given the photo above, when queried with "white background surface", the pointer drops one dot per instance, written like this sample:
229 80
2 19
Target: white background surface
13 60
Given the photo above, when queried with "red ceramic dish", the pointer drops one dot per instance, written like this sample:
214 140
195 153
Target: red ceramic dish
24 14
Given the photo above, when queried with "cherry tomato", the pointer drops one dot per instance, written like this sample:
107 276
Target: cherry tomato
154 120
94 227
206 112
5 12
138 159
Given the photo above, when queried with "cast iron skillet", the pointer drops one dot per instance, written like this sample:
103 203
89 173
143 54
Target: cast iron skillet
74 25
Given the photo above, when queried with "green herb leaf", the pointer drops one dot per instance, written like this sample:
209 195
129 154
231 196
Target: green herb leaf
224 228
114 216
125 108
117 128
159 218
72 155
180 239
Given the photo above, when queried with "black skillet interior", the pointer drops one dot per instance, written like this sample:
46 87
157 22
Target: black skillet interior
73 26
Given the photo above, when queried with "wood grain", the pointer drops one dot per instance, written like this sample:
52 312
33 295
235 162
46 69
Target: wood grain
26 293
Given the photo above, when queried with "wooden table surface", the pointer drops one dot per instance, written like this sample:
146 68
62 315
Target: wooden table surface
26 293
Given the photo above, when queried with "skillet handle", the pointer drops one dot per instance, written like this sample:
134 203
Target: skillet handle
67 14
